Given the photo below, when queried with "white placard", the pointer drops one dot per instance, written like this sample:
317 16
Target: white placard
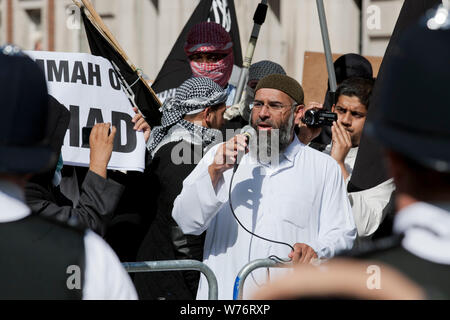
89 88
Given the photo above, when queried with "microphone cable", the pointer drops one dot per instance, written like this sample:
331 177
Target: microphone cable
253 234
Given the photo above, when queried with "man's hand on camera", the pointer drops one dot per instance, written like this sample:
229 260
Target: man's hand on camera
307 134
101 142
341 145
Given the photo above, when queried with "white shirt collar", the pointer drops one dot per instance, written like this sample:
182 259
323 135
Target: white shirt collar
288 157
12 203
353 152
427 231
291 151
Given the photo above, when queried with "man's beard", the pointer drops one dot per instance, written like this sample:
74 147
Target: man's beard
270 145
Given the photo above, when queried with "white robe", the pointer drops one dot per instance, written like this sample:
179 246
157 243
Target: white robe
104 276
302 200
368 206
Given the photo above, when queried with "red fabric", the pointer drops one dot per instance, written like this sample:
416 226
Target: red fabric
211 37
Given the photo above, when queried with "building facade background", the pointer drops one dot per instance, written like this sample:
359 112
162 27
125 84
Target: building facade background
147 29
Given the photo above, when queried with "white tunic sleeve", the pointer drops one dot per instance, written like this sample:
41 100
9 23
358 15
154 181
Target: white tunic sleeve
368 207
198 203
337 230
105 277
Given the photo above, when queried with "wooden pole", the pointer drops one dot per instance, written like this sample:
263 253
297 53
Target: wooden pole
51 25
103 29
98 20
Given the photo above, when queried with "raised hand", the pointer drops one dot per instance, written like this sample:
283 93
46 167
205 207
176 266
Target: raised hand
101 143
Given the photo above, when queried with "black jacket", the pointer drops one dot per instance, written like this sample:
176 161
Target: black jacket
96 205
98 197
165 240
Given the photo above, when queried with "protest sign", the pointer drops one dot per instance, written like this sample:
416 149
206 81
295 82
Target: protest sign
89 88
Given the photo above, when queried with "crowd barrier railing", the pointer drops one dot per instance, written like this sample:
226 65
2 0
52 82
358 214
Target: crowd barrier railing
177 265
271 262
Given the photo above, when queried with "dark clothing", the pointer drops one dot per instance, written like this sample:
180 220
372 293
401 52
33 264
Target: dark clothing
418 249
165 240
127 220
92 206
371 168
97 201
235 123
132 217
84 196
36 254
432 277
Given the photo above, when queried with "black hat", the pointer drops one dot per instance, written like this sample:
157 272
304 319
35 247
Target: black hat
352 65
413 116
283 83
24 108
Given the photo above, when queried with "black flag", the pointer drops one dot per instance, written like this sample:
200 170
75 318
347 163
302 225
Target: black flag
146 101
176 68
370 167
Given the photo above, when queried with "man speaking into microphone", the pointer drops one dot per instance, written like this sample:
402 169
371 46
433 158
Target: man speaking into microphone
285 199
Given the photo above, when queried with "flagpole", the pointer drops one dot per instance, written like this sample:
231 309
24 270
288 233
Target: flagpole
259 19
327 49
103 29
98 20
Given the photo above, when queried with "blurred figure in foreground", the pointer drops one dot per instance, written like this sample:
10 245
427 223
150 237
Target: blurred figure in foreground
45 259
417 142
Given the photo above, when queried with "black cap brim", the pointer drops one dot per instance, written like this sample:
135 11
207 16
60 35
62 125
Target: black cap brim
21 160
413 145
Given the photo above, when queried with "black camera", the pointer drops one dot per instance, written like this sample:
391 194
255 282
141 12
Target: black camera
319 118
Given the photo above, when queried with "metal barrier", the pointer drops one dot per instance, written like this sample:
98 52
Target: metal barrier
270 262
177 265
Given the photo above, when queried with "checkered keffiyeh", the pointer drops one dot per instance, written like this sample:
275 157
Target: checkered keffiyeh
193 96
212 38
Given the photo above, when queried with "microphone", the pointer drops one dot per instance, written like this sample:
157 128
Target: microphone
249 132
258 20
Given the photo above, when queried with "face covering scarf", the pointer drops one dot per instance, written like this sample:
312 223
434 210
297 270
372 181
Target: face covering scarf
219 72
210 37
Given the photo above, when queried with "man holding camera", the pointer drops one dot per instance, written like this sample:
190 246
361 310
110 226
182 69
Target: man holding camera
351 108
353 99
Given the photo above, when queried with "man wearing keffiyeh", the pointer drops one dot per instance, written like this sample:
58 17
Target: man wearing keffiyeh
189 126
210 51
197 111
